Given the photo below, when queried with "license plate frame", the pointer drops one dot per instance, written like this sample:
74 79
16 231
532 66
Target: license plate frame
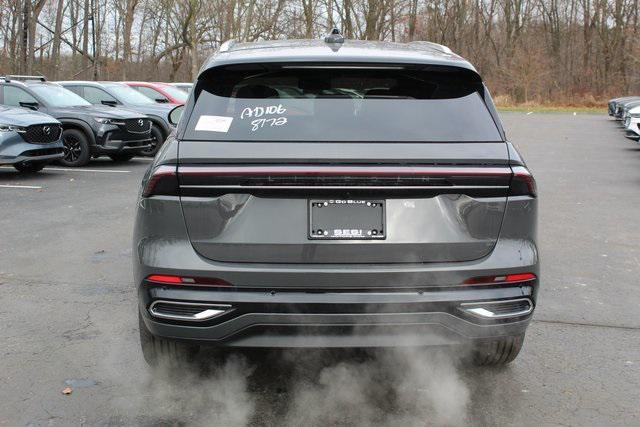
347 219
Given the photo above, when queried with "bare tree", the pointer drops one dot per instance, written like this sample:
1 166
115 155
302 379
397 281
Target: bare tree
527 50
55 53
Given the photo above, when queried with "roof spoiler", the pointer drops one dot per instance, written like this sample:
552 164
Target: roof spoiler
433 46
226 46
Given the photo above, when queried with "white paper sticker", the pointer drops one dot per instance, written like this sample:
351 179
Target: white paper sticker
214 123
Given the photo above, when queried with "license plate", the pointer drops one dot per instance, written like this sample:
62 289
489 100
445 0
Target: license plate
347 219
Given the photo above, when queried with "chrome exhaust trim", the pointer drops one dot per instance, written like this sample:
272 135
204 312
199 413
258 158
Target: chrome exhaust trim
498 309
186 311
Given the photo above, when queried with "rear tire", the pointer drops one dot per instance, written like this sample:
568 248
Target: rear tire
159 351
76 148
498 352
158 140
29 167
121 157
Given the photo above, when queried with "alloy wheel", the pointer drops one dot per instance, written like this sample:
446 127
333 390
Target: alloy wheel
72 148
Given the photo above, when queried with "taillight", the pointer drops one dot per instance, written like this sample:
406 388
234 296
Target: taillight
343 170
162 182
168 279
507 278
522 183
164 278
520 277
347 180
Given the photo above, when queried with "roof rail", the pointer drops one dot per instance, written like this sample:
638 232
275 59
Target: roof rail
226 46
8 78
440 47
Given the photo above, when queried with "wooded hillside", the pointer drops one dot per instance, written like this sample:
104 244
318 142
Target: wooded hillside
558 51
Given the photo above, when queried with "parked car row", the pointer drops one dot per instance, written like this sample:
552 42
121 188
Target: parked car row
73 121
627 111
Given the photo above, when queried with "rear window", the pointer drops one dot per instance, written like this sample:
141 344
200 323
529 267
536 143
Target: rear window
340 102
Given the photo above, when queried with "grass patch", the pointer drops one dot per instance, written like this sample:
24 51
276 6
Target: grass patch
552 109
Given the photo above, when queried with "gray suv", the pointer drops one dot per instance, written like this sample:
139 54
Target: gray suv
336 194
120 95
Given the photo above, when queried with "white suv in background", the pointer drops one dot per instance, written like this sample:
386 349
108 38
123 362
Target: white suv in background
632 123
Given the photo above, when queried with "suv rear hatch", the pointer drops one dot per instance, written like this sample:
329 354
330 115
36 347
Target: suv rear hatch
407 162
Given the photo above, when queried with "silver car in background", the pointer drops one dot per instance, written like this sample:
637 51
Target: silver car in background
612 105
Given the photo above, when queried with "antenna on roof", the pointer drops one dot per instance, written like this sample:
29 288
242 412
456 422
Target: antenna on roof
334 37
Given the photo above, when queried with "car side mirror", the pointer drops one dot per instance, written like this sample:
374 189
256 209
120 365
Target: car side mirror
175 114
30 105
109 103
162 100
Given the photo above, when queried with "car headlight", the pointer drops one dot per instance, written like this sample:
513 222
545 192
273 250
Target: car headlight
12 128
107 121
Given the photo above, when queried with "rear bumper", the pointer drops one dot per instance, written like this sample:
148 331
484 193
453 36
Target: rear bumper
332 305
299 319
173 253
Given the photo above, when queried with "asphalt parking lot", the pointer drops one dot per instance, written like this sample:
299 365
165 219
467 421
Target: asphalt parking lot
68 313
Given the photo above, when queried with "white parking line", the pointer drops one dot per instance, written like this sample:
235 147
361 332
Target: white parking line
77 170
31 187
86 170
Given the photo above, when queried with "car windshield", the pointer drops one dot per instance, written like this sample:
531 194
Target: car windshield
128 95
57 96
304 102
178 94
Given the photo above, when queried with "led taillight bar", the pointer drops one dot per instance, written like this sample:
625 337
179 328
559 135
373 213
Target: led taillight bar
329 170
164 178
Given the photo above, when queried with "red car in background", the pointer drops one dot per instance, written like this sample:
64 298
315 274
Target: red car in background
162 93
